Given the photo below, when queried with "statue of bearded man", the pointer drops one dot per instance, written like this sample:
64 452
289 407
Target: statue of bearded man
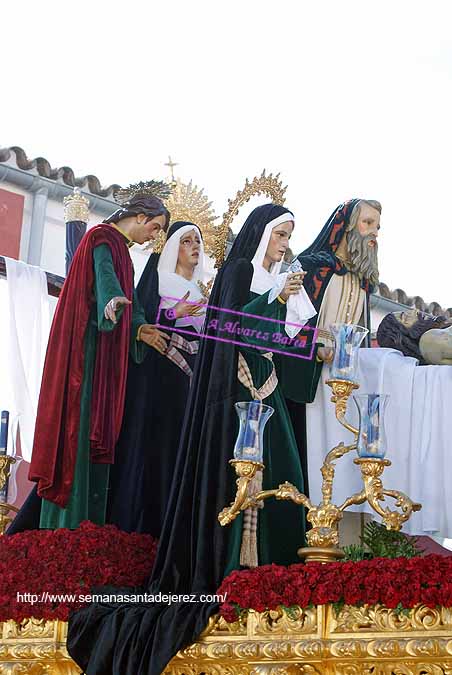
359 248
342 267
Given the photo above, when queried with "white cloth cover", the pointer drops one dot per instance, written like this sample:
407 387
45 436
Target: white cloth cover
28 332
417 426
299 307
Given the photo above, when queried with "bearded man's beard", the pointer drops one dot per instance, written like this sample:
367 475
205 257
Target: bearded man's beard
363 258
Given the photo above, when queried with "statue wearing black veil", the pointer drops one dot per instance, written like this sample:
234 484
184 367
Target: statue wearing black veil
195 551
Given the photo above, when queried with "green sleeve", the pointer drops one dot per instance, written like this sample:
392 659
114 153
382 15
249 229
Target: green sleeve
256 330
106 285
298 377
138 349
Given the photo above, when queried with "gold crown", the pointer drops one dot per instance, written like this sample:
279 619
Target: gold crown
76 207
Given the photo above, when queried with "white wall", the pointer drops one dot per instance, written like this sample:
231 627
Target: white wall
53 246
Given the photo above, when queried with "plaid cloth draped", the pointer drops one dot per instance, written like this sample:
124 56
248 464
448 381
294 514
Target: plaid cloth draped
248 549
245 378
176 343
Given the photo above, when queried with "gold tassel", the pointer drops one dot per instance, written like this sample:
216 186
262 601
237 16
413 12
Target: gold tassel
248 550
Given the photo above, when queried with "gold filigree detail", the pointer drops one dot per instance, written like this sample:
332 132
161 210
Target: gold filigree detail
5 469
156 246
379 642
187 202
76 207
270 185
400 668
382 619
206 288
29 628
280 622
371 470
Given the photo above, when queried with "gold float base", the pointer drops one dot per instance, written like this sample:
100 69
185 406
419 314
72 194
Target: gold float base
315 641
35 647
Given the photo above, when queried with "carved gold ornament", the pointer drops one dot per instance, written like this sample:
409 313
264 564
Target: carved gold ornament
354 641
187 202
316 640
159 242
5 508
35 647
76 207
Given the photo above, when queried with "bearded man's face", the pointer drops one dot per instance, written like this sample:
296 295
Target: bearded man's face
362 244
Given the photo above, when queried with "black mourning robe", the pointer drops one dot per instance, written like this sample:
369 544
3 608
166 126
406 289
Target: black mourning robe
140 639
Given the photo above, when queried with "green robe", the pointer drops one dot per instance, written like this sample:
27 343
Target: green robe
88 500
281 525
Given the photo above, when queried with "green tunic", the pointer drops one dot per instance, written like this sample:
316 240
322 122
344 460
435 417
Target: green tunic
281 525
88 500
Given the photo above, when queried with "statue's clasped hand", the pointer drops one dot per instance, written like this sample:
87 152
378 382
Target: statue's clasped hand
293 284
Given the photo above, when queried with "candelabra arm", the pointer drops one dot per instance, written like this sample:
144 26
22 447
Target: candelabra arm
371 470
341 393
328 469
246 470
346 425
358 498
289 492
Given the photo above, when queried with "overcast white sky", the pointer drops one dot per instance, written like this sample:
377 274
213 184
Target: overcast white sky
345 98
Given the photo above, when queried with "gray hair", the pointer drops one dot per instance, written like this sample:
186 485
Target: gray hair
354 216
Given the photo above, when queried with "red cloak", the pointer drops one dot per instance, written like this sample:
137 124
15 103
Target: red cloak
58 417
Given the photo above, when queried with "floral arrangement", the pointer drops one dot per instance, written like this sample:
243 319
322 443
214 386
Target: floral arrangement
399 583
40 563
70 563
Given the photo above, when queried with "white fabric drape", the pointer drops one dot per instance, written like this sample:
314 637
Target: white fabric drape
28 331
417 423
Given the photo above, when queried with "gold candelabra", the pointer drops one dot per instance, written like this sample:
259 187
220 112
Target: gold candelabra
323 537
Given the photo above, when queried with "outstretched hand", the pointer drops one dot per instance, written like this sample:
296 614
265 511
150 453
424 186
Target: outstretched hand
113 305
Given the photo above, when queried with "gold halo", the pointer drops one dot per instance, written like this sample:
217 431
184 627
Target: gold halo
269 185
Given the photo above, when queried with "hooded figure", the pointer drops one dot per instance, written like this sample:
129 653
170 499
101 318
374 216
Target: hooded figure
195 552
341 271
157 389
341 265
